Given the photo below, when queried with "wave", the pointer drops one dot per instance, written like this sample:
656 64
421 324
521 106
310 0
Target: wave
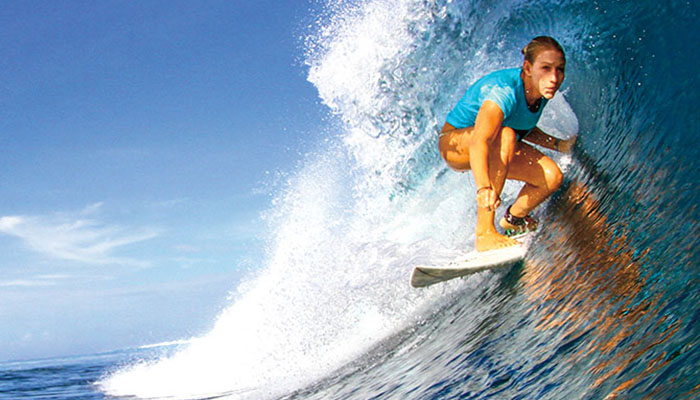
376 198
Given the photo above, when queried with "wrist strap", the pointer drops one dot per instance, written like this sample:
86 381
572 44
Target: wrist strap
483 188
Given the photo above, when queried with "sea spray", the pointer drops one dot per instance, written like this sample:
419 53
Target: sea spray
374 200
316 305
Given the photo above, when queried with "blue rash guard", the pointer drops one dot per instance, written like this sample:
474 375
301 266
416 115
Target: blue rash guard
506 89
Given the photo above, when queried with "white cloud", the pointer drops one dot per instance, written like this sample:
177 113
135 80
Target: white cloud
75 236
39 280
25 283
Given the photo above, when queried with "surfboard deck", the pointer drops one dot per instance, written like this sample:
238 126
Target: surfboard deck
426 275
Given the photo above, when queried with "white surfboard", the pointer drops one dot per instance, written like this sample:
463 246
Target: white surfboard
426 275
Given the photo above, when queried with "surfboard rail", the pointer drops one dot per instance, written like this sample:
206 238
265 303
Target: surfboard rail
426 275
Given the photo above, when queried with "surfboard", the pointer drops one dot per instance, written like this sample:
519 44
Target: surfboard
426 275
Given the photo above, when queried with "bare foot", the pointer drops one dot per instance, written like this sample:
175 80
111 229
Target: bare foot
493 240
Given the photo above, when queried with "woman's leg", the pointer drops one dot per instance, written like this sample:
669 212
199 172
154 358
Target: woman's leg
541 175
454 148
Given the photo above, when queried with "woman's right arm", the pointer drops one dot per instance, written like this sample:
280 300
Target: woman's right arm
488 124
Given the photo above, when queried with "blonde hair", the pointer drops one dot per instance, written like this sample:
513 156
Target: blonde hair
540 44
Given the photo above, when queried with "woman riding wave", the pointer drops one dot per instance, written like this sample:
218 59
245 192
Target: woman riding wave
487 130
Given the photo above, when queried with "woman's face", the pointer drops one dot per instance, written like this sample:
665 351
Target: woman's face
547 72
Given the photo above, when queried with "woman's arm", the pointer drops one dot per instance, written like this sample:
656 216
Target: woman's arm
538 137
486 128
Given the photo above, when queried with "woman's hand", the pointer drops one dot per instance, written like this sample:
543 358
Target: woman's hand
486 198
565 146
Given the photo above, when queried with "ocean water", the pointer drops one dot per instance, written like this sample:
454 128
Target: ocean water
606 305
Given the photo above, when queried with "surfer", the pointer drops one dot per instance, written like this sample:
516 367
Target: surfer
486 133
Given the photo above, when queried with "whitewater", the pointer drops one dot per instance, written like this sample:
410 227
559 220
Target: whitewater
606 304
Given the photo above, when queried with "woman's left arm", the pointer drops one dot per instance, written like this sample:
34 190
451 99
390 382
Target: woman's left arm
538 137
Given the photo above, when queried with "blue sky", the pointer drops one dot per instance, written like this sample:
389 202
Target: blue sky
140 143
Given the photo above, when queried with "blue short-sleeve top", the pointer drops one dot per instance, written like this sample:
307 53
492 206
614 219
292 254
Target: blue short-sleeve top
505 88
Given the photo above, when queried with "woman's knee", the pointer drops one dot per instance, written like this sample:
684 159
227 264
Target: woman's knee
553 177
450 146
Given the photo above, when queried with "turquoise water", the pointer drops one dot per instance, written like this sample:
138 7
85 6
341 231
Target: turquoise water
606 305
